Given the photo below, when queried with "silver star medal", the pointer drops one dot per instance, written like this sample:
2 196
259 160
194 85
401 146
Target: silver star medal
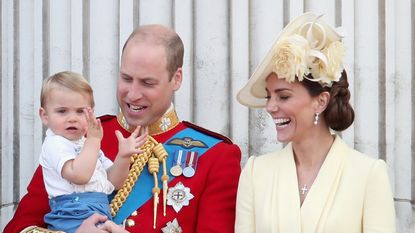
179 196
172 227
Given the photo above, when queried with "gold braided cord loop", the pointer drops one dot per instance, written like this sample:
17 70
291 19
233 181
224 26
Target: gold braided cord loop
138 162
160 152
153 165
153 152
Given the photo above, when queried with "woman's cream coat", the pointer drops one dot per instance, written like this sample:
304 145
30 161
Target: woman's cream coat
351 194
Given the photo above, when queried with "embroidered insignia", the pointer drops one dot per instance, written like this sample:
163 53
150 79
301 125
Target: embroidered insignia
187 143
78 149
179 196
172 227
78 145
165 123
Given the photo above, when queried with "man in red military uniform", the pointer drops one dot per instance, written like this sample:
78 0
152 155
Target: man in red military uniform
201 167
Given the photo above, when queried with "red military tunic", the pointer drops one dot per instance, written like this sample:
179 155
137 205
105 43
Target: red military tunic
214 186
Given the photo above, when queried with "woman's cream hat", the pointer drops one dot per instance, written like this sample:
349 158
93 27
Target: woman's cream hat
307 45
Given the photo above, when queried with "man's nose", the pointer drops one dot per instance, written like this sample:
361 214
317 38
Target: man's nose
135 92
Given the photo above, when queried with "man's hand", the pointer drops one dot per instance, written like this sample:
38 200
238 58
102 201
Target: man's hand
97 223
110 226
90 224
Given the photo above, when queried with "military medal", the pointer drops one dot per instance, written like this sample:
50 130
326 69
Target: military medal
179 196
176 170
189 170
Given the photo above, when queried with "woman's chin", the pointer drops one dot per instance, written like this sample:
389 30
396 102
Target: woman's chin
282 139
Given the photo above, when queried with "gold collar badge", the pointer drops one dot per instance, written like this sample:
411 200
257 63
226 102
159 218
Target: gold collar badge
168 121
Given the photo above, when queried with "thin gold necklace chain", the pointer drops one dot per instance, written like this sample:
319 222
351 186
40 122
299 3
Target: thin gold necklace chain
305 188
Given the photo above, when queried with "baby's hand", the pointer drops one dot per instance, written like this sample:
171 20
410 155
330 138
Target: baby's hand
132 144
94 129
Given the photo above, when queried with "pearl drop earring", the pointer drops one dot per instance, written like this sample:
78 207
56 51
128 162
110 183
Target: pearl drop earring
316 115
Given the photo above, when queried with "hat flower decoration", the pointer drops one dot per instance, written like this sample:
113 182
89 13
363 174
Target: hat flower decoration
309 51
307 48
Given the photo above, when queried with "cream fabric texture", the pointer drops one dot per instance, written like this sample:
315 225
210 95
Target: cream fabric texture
351 194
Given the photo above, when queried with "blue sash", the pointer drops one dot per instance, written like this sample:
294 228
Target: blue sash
141 191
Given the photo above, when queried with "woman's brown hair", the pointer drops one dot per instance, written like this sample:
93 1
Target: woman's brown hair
339 114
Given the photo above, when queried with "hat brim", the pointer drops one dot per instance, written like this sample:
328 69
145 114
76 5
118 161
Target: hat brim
253 94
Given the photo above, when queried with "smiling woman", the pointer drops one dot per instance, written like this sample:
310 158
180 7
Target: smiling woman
316 183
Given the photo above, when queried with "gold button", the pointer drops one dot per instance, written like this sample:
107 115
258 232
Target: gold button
130 223
134 213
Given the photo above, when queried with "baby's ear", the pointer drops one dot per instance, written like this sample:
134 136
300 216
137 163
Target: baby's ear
43 115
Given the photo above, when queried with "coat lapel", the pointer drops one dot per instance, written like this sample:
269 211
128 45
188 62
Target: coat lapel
319 200
288 203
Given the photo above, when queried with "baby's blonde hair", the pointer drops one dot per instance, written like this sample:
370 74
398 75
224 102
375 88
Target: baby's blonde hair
71 80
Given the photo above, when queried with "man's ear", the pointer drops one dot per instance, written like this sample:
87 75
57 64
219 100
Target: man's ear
322 101
177 78
43 115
